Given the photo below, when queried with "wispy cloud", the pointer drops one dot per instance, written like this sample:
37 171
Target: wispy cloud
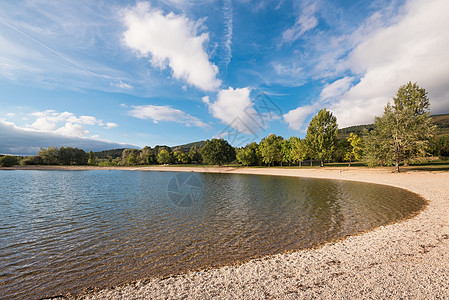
171 41
228 19
51 43
165 113
305 22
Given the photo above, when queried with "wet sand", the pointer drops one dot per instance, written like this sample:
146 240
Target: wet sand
406 260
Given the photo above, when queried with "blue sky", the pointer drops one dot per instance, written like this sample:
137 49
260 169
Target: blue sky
107 74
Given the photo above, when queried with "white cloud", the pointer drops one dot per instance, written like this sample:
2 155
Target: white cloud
414 49
286 69
26 141
171 40
305 22
10 115
206 100
70 129
65 123
235 108
296 117
228 17
336 89
122 85
111 125
165 113
43 124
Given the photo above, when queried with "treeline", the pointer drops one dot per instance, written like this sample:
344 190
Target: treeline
403 134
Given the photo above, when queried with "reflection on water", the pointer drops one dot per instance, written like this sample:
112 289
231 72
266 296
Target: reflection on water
67 231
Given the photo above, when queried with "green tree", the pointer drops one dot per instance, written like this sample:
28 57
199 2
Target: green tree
285 151
146 156
246 156
440 147
195 155
217 152
254 147
49 156
322 135
32 160
404 130
8 161
354 150
270 149
164 157
92 160
130 157
298 150
181 156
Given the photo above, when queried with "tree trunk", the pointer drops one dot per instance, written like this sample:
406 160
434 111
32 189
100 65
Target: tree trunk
311 162
349 162
281 163
300 163
397 166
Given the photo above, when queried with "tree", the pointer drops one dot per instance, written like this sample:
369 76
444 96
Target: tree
285 152
49 156
270 149
322 135
195 155
130 157
217 152
8 161
32 160
404 130
92 159
164 157
180 155
298 151
246 156
254 147
440 147
146 156
355 148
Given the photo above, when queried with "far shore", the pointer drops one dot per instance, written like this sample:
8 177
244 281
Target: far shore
405 260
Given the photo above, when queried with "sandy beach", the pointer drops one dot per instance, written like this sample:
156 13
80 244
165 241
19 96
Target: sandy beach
406 260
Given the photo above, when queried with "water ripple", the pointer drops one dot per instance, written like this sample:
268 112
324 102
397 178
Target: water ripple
63 231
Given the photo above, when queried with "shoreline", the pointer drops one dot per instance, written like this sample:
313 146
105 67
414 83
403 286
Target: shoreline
407 259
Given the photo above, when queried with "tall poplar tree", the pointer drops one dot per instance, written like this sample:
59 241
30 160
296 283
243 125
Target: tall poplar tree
404 130
322 135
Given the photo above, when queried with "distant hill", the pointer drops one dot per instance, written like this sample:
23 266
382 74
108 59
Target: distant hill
113 153
441 121
187 147
358 129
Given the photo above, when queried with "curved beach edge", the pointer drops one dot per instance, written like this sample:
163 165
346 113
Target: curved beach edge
408 259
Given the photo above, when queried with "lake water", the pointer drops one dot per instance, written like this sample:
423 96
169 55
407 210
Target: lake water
69 231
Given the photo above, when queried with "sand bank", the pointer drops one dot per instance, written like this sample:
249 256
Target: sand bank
406 260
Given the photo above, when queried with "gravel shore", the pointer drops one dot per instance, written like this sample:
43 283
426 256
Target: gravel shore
406 260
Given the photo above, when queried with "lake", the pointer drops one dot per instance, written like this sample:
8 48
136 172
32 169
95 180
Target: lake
70 231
